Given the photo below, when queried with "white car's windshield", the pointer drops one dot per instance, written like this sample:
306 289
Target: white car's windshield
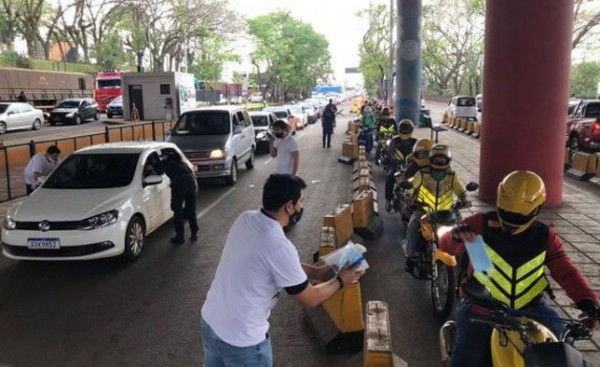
203 123
94 171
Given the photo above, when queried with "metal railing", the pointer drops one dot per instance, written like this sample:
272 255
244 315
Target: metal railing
14 158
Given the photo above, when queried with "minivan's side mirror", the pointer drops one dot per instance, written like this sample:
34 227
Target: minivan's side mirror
152 180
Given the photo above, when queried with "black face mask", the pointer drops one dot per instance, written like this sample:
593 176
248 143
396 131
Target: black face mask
295 218
279 135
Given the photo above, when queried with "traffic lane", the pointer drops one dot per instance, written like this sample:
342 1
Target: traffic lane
147 313
48 132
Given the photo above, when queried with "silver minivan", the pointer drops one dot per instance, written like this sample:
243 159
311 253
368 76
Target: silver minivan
216 140
463 106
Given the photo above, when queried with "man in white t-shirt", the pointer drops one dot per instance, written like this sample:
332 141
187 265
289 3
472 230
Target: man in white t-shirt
39 165
258 262
285 149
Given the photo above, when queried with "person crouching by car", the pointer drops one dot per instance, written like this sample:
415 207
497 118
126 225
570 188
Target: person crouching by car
40 165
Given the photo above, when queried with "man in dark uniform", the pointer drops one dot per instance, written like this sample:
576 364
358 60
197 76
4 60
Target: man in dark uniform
183 189
328 122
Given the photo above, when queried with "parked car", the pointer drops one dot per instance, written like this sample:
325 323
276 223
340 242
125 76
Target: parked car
217 140
583 126
462 106
256 97
283 113
74 111
311 110
107 206
115 107
16 115
262 121
299 117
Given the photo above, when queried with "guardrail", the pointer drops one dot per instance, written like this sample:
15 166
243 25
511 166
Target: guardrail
14 158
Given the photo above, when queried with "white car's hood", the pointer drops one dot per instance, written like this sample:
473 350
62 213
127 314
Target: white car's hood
69 205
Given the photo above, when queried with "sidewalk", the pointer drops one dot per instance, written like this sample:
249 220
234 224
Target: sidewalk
577 223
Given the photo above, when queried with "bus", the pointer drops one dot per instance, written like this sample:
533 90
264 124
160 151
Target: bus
108 87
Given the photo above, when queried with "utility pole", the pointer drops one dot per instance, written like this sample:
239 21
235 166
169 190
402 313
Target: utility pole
390 80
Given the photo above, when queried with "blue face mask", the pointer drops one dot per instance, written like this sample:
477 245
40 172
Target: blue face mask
438 175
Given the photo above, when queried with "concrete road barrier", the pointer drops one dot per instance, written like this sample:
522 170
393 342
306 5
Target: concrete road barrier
583 166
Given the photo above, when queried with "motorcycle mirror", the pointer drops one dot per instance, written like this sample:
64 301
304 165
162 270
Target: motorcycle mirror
472 186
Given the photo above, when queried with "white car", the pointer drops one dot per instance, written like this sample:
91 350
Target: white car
18 115
462 106
97 203
300 115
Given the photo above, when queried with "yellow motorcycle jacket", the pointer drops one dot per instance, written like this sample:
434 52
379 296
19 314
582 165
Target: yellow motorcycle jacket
436 195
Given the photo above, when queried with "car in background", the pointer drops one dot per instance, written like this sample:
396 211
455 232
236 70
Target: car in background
217 140
256 97
109 202
299 117
115 107
262 120
17 115
571 106
74 111
583 126
282 113
311 111
462 106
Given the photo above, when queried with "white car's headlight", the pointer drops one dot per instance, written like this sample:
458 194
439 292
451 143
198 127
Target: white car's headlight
261 135
99 221
9 223
71 114
217 154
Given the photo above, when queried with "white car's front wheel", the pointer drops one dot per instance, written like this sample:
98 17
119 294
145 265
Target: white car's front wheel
135 237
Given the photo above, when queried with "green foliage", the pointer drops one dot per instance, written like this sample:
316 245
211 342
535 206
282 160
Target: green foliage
109 53
212 54
13 59
289 52
584 79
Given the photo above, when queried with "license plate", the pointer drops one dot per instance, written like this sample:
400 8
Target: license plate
43 243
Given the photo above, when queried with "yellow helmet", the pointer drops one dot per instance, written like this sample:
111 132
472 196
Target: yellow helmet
521 195
421 151
405 129
440 157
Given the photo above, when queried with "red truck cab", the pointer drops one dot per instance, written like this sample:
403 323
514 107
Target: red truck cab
107 88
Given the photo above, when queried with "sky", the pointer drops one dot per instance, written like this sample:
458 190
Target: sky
335 19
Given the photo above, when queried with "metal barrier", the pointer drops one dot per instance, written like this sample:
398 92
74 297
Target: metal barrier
14 158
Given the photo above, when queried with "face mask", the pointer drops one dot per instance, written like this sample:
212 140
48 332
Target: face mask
295 218
279 135
438 175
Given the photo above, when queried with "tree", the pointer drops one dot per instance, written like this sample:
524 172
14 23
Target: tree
373 51
587 18
7 31
453 49
212 54
584 79
289 52
26 17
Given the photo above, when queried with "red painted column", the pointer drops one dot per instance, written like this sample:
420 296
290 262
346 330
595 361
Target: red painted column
525 94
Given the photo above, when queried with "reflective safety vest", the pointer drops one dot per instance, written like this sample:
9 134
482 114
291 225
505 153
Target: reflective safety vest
437 195
387 130
518 278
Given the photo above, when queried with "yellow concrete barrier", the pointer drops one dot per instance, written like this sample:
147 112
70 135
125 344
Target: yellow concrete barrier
340 219
362 210
583 166
377 350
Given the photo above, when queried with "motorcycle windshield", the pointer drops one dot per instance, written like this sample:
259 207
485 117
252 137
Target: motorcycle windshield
552 355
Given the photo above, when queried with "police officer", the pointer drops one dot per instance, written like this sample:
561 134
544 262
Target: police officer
183 189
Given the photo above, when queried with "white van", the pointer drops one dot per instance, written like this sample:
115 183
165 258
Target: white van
462 106
216 140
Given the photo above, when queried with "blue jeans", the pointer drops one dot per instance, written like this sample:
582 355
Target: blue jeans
217 353
472 341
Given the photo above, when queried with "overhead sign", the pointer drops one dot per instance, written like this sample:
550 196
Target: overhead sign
352 71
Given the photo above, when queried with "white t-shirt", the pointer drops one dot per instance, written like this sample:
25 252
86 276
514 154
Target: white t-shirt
285 147
38 163
258 261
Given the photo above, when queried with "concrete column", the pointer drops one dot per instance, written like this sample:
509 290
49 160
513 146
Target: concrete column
525 94
408 60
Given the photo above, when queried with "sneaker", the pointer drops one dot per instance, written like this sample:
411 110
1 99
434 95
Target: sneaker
388 206
177 240
194 237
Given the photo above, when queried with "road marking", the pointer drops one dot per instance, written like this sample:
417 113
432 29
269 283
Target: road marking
202 213
268 161
300 136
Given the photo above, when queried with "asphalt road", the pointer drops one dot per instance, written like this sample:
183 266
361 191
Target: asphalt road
108 313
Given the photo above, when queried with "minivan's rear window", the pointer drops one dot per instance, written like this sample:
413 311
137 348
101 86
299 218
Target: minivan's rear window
260 120
466 102
203 123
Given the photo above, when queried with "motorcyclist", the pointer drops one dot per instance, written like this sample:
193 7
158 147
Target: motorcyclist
386 125
400 148
367 123
520 247
434 188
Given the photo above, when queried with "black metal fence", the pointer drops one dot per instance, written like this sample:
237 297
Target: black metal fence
14 158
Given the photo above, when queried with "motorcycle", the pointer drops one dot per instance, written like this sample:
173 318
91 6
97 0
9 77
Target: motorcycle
385 138
363 138
517 339
435 265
